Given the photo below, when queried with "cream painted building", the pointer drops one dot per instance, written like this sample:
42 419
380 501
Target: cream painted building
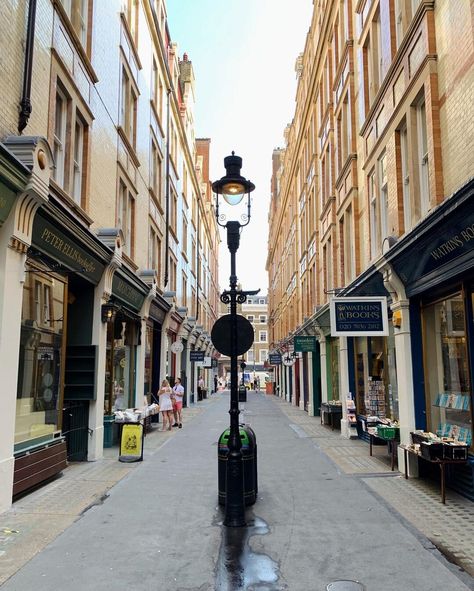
108 245
372 195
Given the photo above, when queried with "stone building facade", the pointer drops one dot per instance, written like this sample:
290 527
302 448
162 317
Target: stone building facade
372 195
108 247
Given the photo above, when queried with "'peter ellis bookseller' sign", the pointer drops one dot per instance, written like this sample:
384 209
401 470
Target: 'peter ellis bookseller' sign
359 317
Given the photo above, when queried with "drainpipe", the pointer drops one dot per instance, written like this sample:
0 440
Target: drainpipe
167 190
25 103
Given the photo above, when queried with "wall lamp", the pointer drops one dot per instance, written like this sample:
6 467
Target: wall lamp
108 312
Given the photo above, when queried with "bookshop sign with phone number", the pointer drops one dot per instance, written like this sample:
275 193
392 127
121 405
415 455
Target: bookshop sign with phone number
358 317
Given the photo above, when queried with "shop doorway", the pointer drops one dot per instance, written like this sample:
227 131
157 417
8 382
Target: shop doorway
76 429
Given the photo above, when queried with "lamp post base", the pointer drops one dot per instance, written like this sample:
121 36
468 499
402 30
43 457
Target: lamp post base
235 506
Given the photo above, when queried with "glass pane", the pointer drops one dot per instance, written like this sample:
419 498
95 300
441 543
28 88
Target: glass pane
41 345
448 385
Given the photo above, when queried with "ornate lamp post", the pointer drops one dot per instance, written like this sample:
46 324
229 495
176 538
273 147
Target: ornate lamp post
233 187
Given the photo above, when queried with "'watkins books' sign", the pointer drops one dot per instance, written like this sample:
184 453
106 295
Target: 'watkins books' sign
359 317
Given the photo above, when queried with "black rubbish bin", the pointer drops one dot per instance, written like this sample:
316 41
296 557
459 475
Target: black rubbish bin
242 394
249 458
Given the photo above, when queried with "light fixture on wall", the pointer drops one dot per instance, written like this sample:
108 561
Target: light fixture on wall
108 312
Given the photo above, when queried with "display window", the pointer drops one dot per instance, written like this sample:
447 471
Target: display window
39 392
122 338
447 379
148 359
332 353
376 376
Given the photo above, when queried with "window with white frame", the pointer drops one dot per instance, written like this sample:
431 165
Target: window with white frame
383 192
261 301
407 214
250 356
262 336
423 158
263 319
132 18
126 216
250 317
128 107
78 161
349 247
374 216
263 355
60 126
156 172
78 12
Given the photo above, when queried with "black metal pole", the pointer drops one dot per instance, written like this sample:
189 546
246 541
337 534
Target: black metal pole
234 506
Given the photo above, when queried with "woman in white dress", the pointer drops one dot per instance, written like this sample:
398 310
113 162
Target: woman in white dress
166 405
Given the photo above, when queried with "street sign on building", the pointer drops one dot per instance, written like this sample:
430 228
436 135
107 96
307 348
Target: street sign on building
196 356
358 317
305 344
275 358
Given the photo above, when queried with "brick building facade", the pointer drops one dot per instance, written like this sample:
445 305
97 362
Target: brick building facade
372 196
108 248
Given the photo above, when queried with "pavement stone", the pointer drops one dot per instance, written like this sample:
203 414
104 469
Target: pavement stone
37 518
449 527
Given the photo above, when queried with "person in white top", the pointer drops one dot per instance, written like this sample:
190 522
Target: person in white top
178 393
166 405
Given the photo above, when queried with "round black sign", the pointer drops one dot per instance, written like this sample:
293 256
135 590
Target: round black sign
221 331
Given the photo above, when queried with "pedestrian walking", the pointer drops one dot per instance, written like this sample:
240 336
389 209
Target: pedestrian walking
178 393
166 406
215 384
200 388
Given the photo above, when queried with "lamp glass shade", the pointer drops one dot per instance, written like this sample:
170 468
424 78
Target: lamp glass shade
233 199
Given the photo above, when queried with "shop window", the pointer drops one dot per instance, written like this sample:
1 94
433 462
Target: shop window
376 377
78 12
39 393
122 341
447 379
148 361
332 360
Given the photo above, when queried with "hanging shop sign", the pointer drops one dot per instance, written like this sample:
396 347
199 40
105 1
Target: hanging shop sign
63 248
288 359
196 356
274 358
358 317
305 344
127 293
177 347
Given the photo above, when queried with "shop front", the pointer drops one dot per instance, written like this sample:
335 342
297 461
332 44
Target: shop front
123 338
436 266
56 369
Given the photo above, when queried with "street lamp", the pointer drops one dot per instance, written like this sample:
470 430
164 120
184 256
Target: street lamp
233 187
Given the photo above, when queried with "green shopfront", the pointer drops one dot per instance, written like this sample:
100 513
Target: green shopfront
57 360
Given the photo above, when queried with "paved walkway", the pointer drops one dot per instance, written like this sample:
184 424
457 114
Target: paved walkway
332 512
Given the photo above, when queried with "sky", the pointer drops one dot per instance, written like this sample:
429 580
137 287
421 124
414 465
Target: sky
243 54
